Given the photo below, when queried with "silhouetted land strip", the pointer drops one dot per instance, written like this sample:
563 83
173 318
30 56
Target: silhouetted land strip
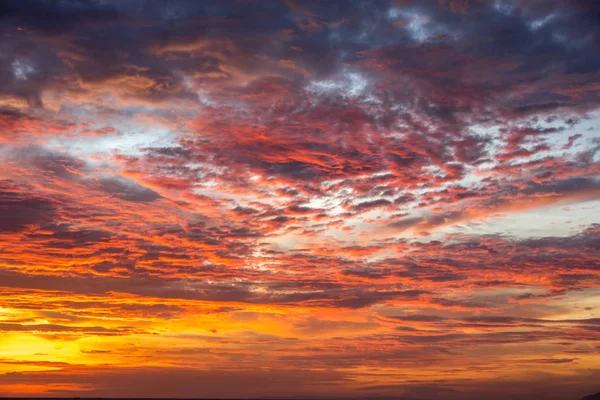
590 397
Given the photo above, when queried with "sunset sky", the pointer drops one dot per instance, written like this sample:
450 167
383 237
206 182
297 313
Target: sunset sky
300 198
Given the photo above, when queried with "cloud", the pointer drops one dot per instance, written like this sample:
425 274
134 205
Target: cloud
21 209
126 190
234 198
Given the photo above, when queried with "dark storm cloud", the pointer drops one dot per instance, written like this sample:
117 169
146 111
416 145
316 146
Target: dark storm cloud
126 189
21 208
563 186
369 205
57 236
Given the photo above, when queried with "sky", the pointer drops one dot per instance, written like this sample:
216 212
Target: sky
300 198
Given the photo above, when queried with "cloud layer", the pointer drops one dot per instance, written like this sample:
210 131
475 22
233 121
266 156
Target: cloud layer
342 198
